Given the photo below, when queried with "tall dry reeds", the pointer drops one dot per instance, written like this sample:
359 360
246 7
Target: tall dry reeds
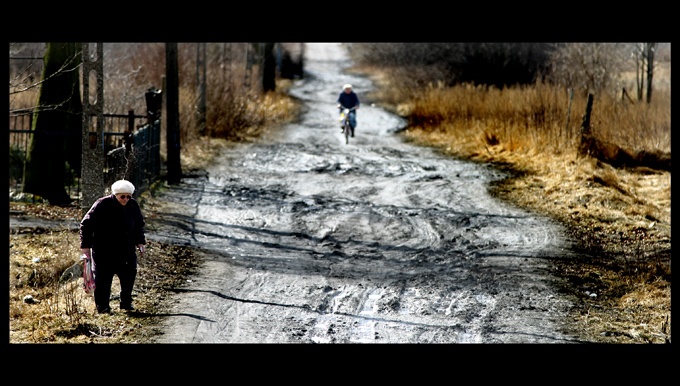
539 118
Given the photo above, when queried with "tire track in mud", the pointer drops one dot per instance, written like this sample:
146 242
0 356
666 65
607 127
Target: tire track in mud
314 241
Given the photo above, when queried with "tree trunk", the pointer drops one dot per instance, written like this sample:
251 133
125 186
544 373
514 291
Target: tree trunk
650 69
56 143
269 70
639 73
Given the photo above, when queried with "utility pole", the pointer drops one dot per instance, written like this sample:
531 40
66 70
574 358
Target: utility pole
201 69
249 67
269 68
172 101
92 169
226 64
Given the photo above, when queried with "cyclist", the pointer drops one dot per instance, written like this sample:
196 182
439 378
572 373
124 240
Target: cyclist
349 99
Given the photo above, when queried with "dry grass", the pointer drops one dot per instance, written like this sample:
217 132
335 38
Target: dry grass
63 312
262 114
621 217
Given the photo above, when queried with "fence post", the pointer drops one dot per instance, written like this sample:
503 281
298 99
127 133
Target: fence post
131 120
154 102
127 136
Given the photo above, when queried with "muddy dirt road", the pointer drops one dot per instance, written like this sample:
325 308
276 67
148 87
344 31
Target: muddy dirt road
310 240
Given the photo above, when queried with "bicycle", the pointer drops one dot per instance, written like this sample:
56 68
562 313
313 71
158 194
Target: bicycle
346 125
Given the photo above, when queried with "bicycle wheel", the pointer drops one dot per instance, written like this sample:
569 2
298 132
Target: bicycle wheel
348 131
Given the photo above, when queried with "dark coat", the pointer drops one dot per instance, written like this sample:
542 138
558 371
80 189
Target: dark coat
348 100
112 230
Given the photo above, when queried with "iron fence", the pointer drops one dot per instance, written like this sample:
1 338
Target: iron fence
131 149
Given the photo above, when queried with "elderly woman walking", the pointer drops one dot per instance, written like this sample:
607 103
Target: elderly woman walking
110 233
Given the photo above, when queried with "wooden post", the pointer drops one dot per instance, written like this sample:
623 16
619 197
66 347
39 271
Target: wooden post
624 93
585 125
566 126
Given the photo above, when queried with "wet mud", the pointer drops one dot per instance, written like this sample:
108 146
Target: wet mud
307 239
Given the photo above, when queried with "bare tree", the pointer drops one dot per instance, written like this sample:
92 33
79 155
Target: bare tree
643 57
25 67
55 144
422 64
130 69
590 67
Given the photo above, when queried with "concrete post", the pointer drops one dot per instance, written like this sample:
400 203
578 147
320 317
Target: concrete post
92 169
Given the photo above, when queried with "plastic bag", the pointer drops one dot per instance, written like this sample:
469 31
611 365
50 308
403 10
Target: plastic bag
88 274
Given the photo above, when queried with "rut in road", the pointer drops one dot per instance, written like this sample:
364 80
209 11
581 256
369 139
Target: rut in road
309 240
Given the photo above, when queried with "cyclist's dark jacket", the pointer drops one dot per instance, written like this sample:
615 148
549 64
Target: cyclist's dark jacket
348 100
